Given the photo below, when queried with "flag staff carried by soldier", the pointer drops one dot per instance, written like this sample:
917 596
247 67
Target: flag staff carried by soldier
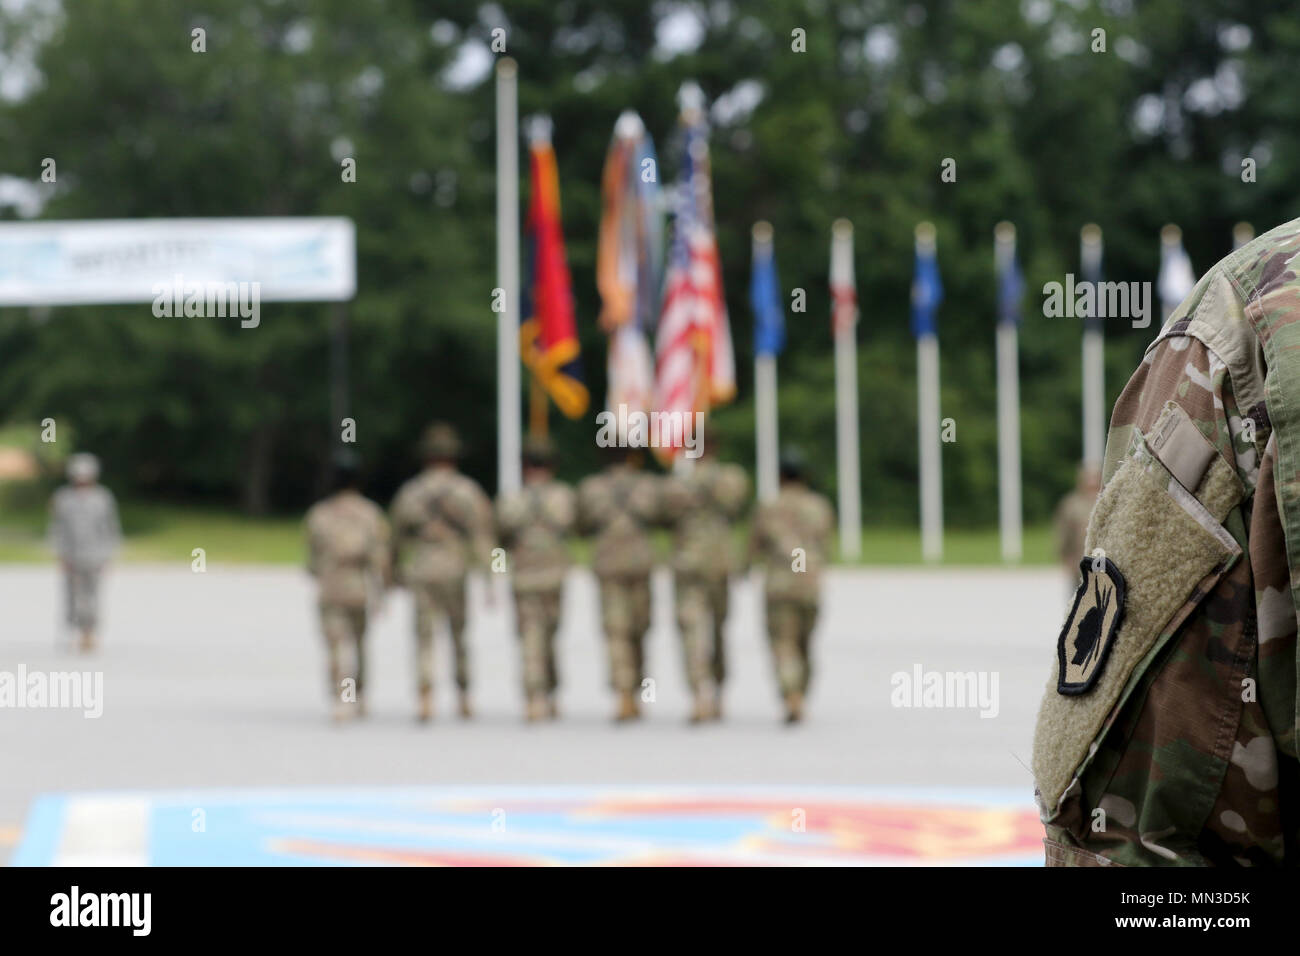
349 555
534 524
442 527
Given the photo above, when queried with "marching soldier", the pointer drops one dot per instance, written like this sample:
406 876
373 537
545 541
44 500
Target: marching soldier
533 525
349 556
442 524
702 505
1072 521
85 534
617 507
791 539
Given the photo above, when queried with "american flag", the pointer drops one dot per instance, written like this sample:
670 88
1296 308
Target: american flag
694 364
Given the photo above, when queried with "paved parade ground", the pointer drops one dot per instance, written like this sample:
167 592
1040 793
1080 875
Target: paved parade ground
213 745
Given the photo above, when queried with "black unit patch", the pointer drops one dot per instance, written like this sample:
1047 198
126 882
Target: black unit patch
1090 629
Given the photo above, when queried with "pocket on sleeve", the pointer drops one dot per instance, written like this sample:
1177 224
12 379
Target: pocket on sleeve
1155 547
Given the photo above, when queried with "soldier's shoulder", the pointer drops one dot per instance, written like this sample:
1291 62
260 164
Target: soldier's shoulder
1263 265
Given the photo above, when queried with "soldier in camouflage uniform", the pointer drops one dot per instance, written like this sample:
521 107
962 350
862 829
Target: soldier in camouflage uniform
791 539
1071 520
348 553
84 533
1167 733
442 526
617 507
533 525
702 504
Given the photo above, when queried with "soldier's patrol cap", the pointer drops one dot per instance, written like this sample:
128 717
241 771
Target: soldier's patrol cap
440 441
793 462
539 451
346 467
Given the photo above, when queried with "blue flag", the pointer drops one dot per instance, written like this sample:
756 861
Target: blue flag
765 300
1011 288
927 293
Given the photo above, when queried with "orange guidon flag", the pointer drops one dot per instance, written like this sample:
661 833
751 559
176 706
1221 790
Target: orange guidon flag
548 337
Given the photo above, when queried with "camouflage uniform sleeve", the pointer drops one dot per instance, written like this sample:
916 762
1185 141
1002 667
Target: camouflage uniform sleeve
674 497
483 529
114 522
733 491
313 547
58 538
588 501
1122 769
381 555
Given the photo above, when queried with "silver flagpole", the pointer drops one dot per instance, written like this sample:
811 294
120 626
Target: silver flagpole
1008 363
765 424
846 398
509 467
1094 367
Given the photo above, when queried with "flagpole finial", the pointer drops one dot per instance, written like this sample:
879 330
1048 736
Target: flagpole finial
507 67
628 125
690 98
762 231
1004 232
1171 235
925 235
1090 234
539 128
842 229
1242 233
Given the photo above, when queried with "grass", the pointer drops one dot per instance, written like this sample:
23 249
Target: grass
167 532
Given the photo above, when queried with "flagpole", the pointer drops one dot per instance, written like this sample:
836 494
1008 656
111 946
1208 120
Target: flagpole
927 385
1008 363
1094 342
1242 233
765 422
509 467
1171 241
846 399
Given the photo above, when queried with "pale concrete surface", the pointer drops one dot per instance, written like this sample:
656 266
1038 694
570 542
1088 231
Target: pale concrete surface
217 680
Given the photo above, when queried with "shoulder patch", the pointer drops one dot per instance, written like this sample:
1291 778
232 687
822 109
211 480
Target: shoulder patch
1090 629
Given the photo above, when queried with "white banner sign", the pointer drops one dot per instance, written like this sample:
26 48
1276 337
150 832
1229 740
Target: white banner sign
82 262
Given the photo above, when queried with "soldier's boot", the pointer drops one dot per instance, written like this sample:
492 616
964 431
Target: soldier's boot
538 708
552 707
361 706
87 641
466 710
424 710
793 707
627 709
342 711
705 705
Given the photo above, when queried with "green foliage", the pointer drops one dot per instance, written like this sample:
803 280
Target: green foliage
1043 130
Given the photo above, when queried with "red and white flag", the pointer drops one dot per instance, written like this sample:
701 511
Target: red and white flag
695 367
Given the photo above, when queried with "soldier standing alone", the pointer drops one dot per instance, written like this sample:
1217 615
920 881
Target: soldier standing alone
349 556
617 507
533 525
85 534
703 504
442 524
791 538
